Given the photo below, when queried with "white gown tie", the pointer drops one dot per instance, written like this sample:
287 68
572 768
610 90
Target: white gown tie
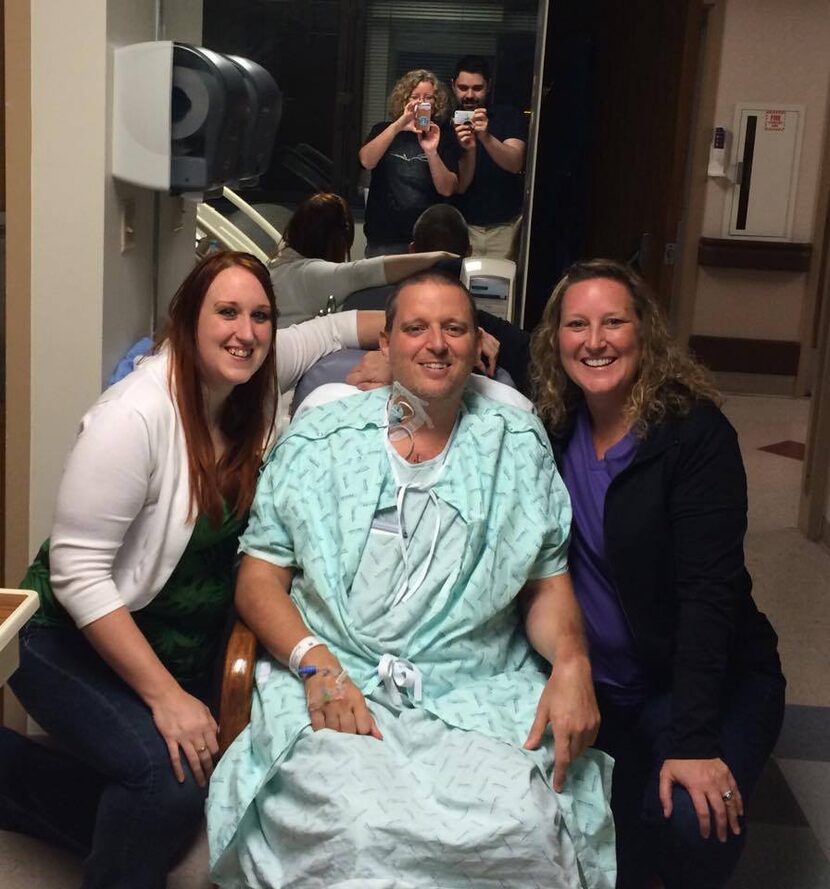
399 673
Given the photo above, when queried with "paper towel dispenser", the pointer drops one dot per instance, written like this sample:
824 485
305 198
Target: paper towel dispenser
261 122
208 109
187 119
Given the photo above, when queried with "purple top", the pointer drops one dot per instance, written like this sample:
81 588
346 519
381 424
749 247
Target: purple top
614 660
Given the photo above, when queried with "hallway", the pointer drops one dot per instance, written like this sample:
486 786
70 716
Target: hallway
789 837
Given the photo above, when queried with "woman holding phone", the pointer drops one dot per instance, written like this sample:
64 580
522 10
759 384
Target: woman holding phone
413 157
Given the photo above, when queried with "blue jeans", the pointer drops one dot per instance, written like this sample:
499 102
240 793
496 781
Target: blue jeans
109 793
638 738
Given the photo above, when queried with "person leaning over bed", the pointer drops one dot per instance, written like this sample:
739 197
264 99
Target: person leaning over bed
137 580
686 669
313 262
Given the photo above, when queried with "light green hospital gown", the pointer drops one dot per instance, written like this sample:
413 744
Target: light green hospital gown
449 798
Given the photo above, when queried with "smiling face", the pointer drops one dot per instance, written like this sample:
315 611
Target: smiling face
234 332
433 342
599 340
470 90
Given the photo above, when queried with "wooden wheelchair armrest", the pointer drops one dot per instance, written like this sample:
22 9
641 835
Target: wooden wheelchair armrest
237 683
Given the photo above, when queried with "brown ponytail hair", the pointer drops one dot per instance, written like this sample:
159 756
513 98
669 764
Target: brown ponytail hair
249 413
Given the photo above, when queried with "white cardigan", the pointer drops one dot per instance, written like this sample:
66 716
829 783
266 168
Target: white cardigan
121 522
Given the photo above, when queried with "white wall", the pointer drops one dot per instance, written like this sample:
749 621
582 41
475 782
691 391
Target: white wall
774 51
88 300
67 188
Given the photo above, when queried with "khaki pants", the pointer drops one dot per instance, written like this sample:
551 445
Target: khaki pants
499 241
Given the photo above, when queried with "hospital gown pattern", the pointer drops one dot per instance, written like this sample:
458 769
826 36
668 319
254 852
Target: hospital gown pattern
449 798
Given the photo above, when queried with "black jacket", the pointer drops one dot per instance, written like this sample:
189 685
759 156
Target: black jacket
675 521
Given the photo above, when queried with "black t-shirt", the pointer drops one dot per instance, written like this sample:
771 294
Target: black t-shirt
495 196
401 187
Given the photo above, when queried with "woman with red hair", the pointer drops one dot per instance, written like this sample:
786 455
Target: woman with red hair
137 580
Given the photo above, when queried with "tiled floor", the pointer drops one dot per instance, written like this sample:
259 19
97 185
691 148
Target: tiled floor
789 834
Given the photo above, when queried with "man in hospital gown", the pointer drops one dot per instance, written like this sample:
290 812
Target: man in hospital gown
421 738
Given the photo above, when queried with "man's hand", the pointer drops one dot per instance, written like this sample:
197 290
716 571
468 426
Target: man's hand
339 705
489 353
706 781
569 705
466 137
371 372
480 123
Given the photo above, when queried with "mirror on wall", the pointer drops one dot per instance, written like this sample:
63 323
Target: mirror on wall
336 62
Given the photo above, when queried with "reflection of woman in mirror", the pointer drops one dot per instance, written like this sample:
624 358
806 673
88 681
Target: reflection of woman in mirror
313 263
412 167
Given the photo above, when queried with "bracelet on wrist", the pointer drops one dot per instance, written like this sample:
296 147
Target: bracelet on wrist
300 650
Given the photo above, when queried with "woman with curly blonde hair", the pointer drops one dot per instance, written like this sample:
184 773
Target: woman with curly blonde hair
413 167
685 666
662 360
402 93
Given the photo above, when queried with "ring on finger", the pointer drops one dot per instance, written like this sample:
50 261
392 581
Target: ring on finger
203 748
727 795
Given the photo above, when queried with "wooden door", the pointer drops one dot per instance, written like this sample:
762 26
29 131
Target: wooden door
619 86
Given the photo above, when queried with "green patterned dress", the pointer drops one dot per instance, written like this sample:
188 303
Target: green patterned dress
184 622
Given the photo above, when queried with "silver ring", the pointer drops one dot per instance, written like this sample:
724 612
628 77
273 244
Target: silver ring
726 797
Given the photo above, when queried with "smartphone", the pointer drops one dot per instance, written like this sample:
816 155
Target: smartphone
423 115
462 116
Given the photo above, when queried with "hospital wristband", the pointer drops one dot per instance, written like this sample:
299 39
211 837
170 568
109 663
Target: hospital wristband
300 650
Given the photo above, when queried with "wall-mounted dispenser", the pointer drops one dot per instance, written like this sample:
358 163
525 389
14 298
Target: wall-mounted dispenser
718 154
187 119
265 101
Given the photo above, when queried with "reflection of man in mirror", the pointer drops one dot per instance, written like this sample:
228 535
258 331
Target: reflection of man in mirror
490 169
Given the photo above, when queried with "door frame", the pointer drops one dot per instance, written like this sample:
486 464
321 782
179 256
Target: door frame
523 258
684 282
814 369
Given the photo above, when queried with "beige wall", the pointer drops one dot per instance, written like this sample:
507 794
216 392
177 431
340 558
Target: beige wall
773 51
84 300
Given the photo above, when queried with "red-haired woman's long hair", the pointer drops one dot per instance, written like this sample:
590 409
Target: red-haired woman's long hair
249 413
